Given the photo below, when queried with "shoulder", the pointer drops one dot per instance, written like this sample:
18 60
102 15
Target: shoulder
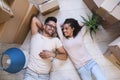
37 34
83 30
56 39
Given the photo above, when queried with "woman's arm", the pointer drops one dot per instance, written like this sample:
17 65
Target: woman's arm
61 53
60 33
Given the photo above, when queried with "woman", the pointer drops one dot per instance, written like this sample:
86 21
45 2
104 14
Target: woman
72 38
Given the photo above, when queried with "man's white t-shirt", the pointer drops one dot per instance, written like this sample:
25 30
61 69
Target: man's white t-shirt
38 44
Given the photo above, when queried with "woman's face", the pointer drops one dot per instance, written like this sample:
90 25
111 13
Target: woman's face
68 30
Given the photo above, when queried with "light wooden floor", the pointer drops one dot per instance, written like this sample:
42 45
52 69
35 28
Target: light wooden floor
96 47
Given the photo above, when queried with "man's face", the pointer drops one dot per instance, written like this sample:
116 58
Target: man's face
50 28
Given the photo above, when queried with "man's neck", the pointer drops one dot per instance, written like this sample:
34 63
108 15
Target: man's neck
46 35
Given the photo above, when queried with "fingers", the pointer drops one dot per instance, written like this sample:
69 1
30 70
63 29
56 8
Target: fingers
45 54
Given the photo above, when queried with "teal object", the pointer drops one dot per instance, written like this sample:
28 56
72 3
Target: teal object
15 59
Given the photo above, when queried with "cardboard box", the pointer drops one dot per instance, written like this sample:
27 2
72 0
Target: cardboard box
9 2
113 52
93 5
110 56
49 7
115 48
109 5
24 27
116 51
109 11
11 26
15 30
106 16
41 1
5 12
116 12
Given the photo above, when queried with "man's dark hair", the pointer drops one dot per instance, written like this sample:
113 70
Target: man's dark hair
74 24
50 19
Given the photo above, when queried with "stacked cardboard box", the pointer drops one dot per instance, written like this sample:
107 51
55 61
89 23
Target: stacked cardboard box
15 29
49 6
113 52
93 5
108 9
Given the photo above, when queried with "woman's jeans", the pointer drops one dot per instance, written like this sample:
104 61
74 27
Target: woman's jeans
30 75
90 70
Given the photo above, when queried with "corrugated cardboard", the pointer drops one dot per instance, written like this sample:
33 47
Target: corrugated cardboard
109 11
113 52
9 2
98 2
116 12
5 11
115 42
110 56
49 7
115 48
16 29
110 18
25 25
109 5
41 1
10 28
116 51
93 5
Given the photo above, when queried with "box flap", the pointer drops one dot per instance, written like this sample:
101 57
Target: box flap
116 12
98 2
109 5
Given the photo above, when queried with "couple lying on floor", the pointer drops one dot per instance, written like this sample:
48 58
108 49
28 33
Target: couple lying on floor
45 47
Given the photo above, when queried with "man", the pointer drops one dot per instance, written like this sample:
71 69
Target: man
44 48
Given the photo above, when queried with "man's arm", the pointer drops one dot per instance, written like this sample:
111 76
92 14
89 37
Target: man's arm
60 53
36 25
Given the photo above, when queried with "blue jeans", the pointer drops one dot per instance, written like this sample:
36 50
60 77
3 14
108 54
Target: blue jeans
90 70
31 75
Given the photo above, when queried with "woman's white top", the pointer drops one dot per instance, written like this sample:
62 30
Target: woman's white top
76 48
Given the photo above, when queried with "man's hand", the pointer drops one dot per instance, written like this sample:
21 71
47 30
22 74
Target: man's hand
46 54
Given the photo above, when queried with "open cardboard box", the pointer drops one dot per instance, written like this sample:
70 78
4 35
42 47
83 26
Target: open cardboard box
49 7
93 5
113 52
109 11
115 48
16 29
110 56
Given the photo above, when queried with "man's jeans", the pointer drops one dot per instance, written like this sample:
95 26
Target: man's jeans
30 75
90 70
